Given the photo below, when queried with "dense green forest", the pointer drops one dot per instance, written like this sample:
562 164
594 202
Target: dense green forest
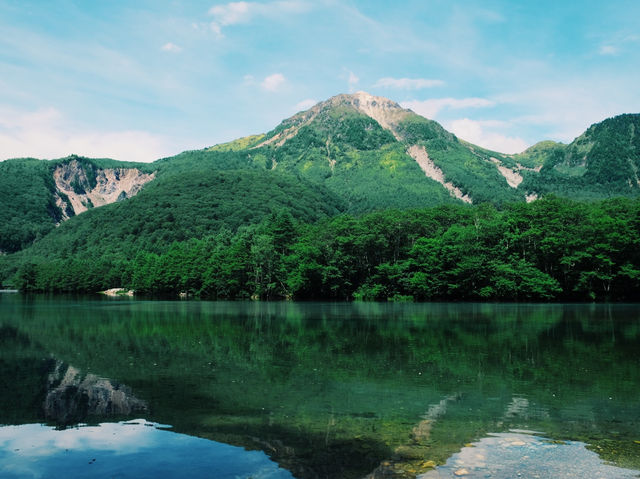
602 162
28 192
174 208
331 204
28 209
551 249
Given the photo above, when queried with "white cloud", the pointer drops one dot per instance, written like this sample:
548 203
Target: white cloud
273 82
235 13
232 13
46 133
561 112
35 440
430 108
353 81
305 104
608 50
407 83
481 134
171 47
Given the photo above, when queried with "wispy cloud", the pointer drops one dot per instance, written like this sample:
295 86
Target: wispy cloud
273 82
608 50
563 111
431 108
235 13
483 133
46 133
305 104
171 47
407 83
353 81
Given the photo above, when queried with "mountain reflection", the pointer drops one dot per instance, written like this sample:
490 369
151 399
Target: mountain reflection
73 397
332 389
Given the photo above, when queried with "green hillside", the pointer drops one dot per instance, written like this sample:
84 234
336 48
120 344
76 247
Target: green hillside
340 143
242 204
602 162
28 210
175 208
179 207
550 249
28 197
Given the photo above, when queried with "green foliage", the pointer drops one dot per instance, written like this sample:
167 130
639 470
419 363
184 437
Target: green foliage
473 172
357 159
28 196
174 208
602 162
239 144
552 249
28 209
539 153
417 129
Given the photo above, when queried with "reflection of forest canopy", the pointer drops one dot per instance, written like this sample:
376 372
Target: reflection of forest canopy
281 370
549 249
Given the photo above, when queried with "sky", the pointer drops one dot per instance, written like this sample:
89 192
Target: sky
142 80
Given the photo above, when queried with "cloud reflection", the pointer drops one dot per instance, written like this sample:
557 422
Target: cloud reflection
124 449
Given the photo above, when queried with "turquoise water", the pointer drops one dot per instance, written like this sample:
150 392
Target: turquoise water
310 390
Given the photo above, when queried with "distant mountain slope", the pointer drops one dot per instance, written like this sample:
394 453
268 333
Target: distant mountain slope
180 207
37 195
354 153
378 155
604 161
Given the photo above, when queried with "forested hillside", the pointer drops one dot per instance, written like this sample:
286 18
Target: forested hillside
175 208
241 219
32 204
550 249
602 162
28 209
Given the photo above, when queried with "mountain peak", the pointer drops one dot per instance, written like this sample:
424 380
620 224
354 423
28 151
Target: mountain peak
362 98
363 101
386 112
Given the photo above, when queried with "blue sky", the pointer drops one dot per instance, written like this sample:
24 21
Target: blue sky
147 79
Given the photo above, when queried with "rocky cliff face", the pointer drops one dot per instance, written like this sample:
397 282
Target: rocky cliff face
80 186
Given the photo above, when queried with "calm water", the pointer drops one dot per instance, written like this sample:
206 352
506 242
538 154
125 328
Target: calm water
102 388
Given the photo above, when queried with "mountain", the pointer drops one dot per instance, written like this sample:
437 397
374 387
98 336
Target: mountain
351 153
332 204
38 195
403 158
375 155
604 161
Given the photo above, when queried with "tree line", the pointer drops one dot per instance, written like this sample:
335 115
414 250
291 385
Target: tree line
551 249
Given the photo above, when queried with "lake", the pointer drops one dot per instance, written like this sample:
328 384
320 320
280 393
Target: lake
119 387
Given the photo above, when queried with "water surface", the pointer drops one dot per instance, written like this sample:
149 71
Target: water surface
329 390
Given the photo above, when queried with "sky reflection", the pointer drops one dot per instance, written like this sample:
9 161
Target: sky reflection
125 449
